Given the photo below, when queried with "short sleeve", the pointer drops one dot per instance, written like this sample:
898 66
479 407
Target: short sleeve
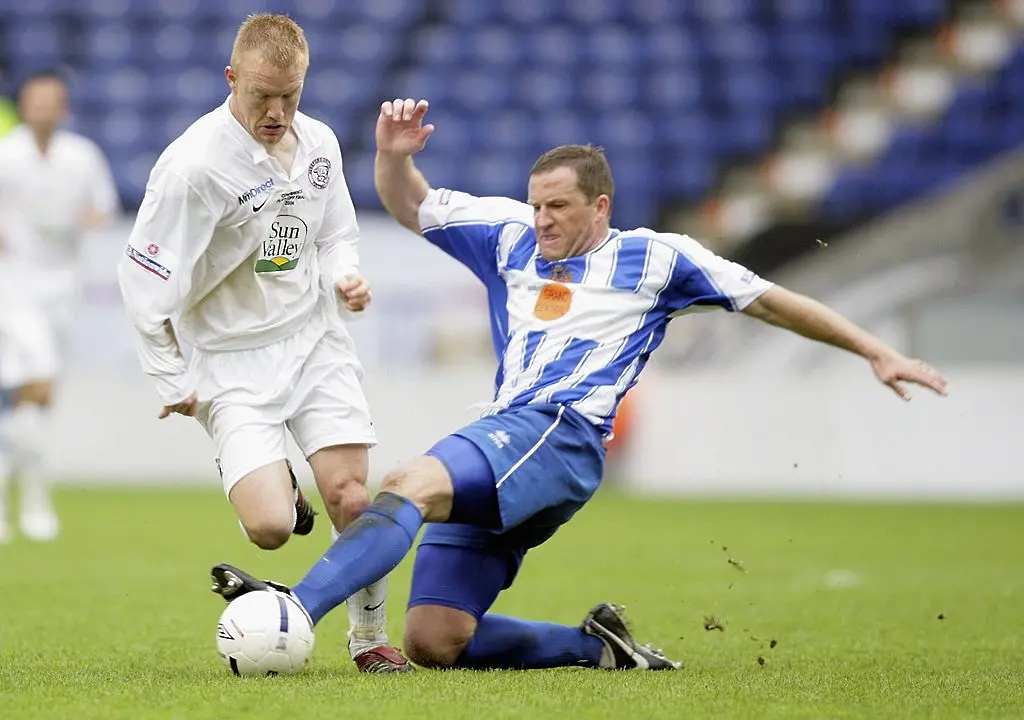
468 227
701 279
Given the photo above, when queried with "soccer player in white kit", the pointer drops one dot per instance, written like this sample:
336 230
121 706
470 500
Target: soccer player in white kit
54 186
247 240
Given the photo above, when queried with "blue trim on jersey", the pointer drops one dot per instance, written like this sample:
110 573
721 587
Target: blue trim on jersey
472 244
569 359
497 303
689 285
632 259
533 340
522 250
637 349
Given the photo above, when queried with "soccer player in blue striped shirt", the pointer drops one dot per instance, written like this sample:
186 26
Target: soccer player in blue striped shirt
576 309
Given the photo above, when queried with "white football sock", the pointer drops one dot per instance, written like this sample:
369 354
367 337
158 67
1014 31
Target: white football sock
367 615
5 474
28 437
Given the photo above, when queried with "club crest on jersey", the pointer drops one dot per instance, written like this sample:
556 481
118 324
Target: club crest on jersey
554 301
319 172
561 273
281 250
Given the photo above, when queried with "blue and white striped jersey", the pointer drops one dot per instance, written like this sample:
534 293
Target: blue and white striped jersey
578 331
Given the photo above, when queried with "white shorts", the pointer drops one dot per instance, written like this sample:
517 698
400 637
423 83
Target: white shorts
28 346
308 384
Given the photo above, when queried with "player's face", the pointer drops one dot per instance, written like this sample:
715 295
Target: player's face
566 223
43 104
265 97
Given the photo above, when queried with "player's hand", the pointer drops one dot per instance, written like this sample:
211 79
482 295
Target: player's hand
354 291
400 128
186 407
894 370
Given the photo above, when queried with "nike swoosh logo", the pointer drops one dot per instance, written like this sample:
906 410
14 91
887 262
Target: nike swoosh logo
371 608
257 208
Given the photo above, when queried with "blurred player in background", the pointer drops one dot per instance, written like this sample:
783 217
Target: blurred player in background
247 238
576 307
55 185
8 116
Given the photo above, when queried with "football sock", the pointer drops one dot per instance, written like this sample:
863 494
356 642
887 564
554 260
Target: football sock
27 439
366 551
5 469
507 643
367 615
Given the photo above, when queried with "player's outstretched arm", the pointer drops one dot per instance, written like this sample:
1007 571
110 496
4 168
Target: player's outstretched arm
805 316
400 135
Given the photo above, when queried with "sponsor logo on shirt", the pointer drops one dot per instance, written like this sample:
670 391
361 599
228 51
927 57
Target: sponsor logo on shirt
146 262
254 192
319 172
554 301
281 250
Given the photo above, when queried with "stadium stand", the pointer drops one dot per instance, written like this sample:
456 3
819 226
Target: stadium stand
678 91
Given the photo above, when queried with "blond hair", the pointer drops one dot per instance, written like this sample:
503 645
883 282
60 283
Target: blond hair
277 38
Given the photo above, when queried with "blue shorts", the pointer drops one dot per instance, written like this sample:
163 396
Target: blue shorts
518 476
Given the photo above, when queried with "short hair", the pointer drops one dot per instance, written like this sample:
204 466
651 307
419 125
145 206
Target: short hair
51 73
593 173
277 38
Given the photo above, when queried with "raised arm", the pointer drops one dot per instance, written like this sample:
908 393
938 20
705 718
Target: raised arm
811 319
400 135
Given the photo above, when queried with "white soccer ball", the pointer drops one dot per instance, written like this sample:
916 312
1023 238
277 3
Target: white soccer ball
264 632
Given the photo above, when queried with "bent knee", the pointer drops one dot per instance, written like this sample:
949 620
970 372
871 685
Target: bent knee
425 482
346 498
269 535
435 636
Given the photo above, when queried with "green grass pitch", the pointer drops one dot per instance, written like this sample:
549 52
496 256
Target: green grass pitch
881 611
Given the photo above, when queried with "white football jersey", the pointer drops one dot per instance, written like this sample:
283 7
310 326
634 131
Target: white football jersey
44 203
578 331
240 251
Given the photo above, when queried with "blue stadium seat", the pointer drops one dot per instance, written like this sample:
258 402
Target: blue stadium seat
657 13
674 89
434 45
546 89
496 45
613 47
531 13
563 127
687 173
553 46
595 12
478 90
609 88
670 89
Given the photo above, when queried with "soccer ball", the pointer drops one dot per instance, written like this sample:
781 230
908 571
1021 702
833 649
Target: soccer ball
264 632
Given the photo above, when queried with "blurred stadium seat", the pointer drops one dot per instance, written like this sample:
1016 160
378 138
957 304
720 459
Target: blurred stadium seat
675 90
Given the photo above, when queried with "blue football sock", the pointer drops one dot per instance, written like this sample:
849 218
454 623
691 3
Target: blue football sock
507 643
366 551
